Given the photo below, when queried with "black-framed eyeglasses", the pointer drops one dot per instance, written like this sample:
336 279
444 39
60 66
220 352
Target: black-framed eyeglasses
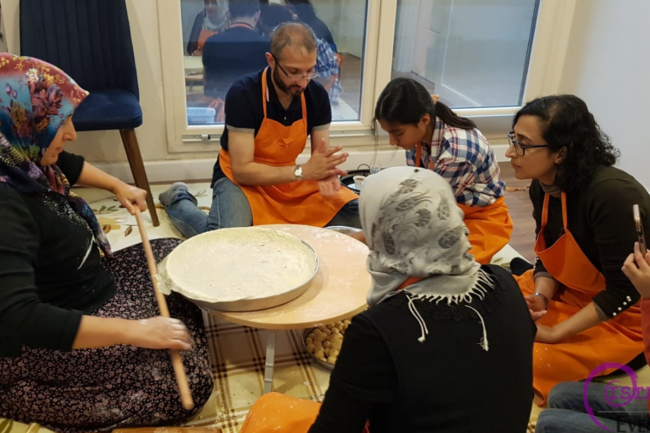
296 77
520 147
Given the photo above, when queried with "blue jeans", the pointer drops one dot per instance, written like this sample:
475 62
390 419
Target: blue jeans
230 208
566 411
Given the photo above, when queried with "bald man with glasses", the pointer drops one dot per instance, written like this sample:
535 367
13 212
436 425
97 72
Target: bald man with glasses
269 116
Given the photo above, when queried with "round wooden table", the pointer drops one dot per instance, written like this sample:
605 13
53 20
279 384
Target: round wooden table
337 291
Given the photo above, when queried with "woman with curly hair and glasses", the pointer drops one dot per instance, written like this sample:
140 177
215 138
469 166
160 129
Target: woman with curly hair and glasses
584 305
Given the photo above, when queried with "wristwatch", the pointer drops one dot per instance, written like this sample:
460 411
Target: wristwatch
298 172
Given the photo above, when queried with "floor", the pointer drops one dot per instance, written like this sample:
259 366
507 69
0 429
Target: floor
238 352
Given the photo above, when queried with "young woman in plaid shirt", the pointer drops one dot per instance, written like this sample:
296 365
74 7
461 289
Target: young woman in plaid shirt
436 138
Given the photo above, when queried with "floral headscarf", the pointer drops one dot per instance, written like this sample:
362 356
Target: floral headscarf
220 21
36 98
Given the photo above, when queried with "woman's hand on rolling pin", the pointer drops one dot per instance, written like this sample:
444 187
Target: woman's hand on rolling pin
128 196
159 333
637 269
323 163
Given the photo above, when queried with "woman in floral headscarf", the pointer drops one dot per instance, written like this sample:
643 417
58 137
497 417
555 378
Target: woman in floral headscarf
77 324
446 345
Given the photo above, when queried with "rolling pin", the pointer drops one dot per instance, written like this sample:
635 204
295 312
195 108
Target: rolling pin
177 361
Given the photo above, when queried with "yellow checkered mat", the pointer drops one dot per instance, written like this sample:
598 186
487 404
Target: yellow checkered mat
238 355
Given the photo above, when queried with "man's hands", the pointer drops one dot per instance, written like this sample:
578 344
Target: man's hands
323 163
322 167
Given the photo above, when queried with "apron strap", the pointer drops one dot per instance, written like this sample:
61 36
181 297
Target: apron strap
564 212
264 90
242 25
418 157
304 113
409 281
265 94
545 211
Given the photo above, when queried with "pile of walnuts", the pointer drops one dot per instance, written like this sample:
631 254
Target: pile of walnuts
325 341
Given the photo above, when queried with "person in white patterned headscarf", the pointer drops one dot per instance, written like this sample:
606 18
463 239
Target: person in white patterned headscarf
385 375
414 230
212 20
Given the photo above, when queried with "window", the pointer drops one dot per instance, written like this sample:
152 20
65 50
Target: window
473 53
485 58
221 46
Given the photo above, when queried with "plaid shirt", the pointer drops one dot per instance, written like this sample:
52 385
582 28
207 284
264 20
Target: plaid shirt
466 160
328 66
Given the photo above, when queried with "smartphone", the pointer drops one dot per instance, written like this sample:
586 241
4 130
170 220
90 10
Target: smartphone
639 229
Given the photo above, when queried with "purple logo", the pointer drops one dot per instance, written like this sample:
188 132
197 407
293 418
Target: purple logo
627 393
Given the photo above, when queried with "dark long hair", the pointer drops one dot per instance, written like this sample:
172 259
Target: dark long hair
303 8
405 101
273 15
566 122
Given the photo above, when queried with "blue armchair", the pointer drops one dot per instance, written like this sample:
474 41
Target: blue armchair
91 41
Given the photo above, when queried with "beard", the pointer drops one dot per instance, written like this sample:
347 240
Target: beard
293 91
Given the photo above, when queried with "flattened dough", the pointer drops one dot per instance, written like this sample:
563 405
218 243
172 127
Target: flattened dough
240 263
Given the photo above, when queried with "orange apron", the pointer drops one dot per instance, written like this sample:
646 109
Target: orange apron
290 203
617 340
203 36
279 413
490 227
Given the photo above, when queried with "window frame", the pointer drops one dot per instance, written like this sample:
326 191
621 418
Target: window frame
544 73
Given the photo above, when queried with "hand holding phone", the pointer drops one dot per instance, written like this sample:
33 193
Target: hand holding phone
640 234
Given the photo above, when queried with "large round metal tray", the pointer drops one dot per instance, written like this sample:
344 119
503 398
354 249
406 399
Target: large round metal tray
344 229
249 304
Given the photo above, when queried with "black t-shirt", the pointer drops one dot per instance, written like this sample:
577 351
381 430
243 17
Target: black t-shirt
447 383
600 219
229 55
245 112
50 271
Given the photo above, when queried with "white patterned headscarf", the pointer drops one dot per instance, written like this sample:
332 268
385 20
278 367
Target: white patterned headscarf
414 228
219 24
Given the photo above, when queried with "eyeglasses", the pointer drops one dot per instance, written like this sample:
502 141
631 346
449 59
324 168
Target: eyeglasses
296 77
520 147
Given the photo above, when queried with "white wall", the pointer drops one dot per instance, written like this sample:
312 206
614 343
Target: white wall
353 19
473 50
330 12
607 66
